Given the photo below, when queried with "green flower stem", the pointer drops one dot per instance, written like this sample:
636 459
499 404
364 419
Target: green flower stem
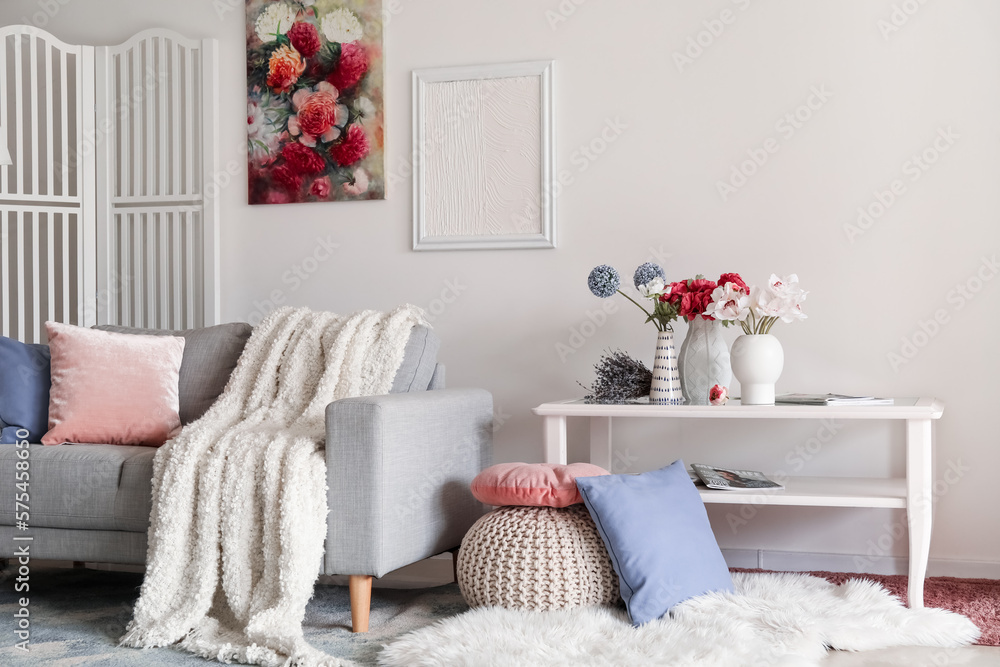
648 314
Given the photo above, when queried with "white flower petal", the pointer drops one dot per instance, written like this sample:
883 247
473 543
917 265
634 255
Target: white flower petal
277 18
341 25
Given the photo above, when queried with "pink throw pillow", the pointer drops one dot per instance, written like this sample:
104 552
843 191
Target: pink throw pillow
532 484
112 388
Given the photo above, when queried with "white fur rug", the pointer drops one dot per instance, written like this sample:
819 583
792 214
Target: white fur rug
785 620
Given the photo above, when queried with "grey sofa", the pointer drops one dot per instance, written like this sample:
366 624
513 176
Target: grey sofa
399 468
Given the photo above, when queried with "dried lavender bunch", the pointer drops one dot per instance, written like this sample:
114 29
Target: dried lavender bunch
620 378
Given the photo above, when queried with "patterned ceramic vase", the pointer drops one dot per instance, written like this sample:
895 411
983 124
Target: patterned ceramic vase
757 364
666 387
703 360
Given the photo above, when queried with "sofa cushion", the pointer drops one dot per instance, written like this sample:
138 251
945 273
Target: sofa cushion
210 355
24 391
97 487
532 484
419 361
661 544
111 388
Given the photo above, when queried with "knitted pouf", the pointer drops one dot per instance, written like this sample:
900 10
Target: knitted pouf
536 558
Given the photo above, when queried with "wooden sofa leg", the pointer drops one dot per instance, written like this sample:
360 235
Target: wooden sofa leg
360 587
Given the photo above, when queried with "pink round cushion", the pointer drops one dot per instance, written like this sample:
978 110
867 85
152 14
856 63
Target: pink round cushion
532 484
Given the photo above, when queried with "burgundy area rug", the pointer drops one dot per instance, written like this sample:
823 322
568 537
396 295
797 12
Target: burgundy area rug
977 599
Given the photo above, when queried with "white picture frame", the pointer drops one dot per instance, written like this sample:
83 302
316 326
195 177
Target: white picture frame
502 165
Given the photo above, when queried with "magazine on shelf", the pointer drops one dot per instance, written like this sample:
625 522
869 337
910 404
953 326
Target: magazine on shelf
733 480
830 399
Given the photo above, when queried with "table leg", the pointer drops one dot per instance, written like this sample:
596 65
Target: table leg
600 442
555 439
919 503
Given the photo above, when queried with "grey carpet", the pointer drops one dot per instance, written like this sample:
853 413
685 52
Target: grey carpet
78 615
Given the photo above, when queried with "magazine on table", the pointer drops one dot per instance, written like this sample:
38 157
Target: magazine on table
727 479
830 399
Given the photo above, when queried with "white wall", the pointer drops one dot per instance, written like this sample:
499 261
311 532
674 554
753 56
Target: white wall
653 193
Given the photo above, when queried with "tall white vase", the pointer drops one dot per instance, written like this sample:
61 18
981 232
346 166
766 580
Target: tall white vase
757 363
703 360
666 387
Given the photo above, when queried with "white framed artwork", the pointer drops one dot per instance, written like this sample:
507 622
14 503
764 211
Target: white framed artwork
483 157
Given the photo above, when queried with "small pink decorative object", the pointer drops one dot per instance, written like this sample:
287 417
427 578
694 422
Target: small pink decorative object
532 484
112 388
718 395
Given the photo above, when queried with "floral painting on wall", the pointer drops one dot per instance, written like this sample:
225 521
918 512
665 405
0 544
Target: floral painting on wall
315 102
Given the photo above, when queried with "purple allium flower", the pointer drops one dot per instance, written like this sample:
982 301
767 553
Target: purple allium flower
647 272
604 281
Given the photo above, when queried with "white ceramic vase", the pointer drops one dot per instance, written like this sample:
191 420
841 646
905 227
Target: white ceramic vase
703 360
666 387
757 362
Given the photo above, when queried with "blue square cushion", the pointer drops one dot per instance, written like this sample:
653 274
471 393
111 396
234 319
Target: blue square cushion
657 533
24 391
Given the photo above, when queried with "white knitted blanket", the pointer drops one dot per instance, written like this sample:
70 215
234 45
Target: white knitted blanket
239 497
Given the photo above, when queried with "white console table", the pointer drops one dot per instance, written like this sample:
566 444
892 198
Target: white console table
914 492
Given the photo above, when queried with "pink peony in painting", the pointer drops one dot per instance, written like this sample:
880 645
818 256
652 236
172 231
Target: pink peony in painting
314 101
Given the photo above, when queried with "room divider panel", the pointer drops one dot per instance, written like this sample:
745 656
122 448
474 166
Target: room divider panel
104 216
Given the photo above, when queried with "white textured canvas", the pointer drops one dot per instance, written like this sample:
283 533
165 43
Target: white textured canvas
483 169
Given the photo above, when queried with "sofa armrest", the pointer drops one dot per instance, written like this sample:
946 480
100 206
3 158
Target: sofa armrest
398 470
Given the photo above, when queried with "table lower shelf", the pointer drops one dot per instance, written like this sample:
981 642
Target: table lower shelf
819 492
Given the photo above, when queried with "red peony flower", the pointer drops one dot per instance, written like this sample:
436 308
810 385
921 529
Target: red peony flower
352 66
735 279
352 148
321 187
284 68
304 38
288 177
318 113
302 159
691 297
701 285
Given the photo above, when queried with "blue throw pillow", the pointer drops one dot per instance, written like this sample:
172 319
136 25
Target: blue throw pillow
25 379
657 533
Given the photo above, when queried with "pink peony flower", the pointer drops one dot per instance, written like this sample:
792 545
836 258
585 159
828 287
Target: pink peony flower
359 183
284 68
305 39
353 147
321 187
302 159
318 115
351 67
718 395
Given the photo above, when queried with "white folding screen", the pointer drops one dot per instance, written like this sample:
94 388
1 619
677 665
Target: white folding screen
47 232
103 216
157 232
